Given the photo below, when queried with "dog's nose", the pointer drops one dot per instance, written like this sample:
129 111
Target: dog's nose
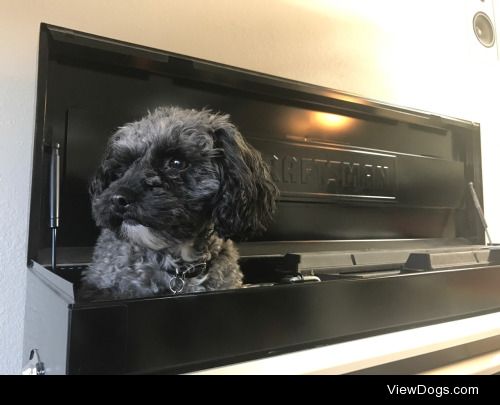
120 202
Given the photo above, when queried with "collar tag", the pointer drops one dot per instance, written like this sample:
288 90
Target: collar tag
179 275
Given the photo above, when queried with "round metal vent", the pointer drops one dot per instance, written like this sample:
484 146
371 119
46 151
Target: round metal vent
483 28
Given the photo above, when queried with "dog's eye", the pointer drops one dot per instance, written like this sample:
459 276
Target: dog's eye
177 164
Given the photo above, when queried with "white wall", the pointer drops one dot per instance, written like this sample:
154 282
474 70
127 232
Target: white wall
419 55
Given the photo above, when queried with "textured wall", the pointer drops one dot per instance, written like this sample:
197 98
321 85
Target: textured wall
416 54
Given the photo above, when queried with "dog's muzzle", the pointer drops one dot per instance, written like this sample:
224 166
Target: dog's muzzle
120 203
122 210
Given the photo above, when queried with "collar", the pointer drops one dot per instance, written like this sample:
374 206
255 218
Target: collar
189 270
180 273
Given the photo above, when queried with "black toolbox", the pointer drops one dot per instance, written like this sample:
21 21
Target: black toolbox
376 203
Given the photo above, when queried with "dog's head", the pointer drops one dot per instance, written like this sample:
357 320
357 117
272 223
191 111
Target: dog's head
177 173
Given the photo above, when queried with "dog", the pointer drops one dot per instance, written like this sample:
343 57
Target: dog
171 191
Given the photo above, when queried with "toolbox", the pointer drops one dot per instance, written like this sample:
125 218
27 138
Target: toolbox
376 230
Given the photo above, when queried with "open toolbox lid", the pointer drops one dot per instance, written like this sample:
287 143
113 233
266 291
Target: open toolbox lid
353 173
362 184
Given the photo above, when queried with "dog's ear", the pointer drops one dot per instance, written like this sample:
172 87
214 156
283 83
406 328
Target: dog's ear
101 179
107 168
247 197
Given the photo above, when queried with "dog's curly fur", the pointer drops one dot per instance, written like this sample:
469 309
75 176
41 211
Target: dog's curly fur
171 189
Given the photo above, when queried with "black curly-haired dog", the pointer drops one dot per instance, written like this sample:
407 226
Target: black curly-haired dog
171 189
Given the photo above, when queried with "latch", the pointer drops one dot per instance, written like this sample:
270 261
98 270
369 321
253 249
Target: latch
35 365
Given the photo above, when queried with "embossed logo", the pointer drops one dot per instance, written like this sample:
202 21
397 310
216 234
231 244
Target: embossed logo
321 172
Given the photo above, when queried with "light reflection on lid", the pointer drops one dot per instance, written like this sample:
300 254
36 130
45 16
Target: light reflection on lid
331 121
